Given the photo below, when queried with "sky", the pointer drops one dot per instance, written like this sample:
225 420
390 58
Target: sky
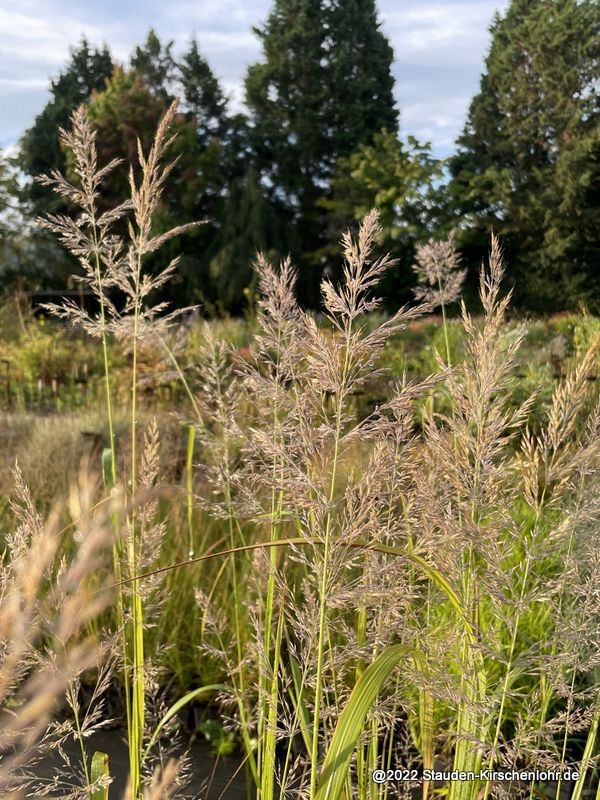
439 51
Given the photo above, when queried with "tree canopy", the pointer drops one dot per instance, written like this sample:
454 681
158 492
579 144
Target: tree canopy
40 152
320 143
323 88
528 161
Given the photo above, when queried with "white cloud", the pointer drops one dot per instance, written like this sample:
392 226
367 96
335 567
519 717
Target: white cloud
439 48
452 32
20 84
41 37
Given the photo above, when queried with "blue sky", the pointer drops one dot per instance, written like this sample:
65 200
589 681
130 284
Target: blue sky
439 50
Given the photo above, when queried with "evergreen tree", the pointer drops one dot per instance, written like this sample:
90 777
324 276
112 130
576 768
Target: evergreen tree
40 151
403 181
528 164
287 96
324 87
154 62
360 80
202 93
248 225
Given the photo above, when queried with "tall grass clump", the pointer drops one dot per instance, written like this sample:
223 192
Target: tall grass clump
440 279
114 261
416 588
442 546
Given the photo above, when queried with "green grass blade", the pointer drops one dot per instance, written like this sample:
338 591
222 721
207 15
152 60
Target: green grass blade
183 701
268 764
99 770
587 755
299 703
426 722
352 719
107 468
189 487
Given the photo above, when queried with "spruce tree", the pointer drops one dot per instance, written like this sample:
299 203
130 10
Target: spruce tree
528 164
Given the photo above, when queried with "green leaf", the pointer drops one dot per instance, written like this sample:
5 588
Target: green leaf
99 770
352 721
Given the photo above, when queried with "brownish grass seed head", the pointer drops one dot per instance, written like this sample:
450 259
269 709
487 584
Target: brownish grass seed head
43 595
438 271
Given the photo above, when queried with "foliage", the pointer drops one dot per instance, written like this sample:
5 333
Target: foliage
155 64
40 151
28 257
202 93
128 110
415 584
319 146
528 161
304 116
401 180
38 261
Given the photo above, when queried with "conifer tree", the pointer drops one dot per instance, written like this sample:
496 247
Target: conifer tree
88 70
287 97
248 225
360 80
202 93
154 62
528 164
323 88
